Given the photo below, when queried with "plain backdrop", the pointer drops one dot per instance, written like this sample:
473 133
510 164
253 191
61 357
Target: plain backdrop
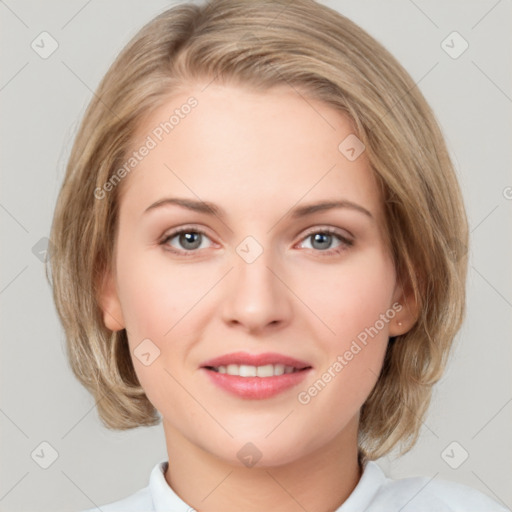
42 102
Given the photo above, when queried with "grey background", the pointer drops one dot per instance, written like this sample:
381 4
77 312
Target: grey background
42 101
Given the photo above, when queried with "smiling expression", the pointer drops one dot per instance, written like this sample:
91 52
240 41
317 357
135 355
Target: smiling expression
246 229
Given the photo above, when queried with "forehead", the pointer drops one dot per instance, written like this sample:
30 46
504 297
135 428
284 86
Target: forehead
246 149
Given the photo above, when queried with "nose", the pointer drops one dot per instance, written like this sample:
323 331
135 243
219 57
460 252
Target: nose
256 297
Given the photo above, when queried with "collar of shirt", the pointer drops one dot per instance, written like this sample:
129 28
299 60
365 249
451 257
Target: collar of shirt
166 500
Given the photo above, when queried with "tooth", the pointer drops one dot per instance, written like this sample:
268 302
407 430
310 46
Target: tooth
278 369
247 371
232 369
265 371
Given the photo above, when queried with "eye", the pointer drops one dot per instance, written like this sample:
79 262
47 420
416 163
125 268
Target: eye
188 239
323 238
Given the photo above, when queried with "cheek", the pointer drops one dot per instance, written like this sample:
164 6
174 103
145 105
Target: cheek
155 295
160 302
352 302
354 295
355 300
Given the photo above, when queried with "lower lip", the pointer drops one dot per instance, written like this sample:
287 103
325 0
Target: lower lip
256 388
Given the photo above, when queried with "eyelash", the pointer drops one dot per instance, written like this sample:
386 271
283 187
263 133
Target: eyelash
345 242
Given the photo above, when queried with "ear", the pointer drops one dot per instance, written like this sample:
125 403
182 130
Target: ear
110 304
406 317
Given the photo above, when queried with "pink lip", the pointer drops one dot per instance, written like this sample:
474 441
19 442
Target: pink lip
256 388
255 360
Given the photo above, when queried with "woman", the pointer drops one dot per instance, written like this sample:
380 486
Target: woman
261 237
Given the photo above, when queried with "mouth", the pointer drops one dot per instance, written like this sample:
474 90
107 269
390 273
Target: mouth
256 376
243 364
268 370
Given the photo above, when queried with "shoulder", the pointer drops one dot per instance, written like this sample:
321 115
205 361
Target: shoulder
140 501
424 494
156 496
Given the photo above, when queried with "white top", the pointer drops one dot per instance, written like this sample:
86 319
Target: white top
373 493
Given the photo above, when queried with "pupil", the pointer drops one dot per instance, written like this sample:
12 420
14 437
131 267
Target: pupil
321 238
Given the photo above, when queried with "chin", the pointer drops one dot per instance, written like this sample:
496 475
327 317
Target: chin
263 452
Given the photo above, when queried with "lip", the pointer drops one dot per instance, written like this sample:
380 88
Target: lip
256 360
256 388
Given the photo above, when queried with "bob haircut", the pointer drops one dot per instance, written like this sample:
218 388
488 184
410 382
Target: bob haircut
261 44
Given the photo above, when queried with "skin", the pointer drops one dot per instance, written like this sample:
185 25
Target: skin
257 156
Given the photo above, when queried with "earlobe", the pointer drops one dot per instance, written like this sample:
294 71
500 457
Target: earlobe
406 317
110 304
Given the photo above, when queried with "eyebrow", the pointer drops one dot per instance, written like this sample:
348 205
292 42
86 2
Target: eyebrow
212 209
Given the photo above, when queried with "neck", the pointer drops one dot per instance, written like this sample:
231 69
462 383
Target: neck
317 482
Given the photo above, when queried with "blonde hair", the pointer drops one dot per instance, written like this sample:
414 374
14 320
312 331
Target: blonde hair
261 44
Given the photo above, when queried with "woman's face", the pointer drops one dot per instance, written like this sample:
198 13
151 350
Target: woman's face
262 270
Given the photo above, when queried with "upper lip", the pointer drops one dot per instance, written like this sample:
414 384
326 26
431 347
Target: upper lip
255 360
